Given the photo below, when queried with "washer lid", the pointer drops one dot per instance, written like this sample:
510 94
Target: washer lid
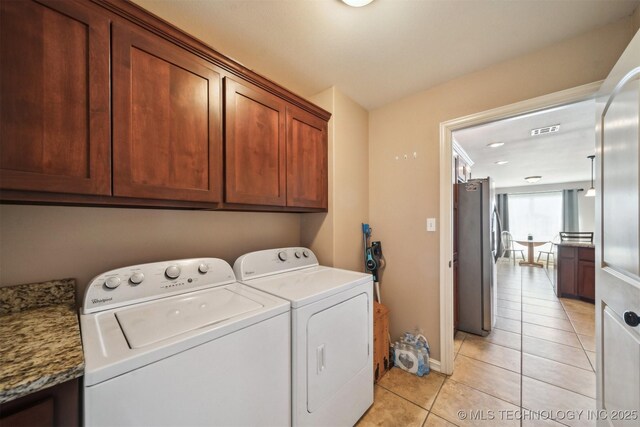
308 285
148 324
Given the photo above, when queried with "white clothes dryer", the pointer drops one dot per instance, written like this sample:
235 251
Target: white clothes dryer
182 343
331 332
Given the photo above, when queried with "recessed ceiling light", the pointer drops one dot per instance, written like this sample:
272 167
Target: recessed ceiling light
545 130
532 179
502 162
495 144
357 3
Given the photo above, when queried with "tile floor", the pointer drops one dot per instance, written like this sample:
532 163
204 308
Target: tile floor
540 357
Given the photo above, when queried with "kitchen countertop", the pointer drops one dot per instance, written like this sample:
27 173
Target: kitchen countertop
40 344
577 244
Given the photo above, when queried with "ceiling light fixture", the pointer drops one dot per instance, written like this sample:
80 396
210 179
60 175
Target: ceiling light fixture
357 3
495 144
532 179
502 162
545 130
591 192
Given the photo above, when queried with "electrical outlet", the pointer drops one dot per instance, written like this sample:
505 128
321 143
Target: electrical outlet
431 224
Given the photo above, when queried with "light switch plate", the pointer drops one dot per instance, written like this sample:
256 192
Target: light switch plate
431 224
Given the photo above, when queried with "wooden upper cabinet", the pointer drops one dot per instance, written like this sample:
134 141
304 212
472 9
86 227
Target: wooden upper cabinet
166 120
54 98
306 160
254 146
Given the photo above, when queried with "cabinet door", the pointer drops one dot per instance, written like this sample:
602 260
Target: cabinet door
587 279
40 414
567 271
54 98
255 146
167 120
306 160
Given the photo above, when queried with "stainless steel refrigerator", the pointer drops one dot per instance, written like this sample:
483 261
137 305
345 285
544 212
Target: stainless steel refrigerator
478 231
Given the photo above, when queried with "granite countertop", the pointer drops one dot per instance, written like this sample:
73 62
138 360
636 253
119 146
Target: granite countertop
40 344
577 244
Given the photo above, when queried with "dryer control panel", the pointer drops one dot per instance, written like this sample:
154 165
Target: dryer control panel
273 261
146 282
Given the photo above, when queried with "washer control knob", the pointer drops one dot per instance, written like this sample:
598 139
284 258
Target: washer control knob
203 268
172 272
297 254
136 278
282 255
112 282
305 253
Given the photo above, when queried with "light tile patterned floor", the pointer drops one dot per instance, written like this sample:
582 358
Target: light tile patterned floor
539 359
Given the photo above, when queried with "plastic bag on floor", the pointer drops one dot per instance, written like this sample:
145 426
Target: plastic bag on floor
411 353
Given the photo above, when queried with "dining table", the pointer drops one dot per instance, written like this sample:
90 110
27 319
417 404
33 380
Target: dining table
530 244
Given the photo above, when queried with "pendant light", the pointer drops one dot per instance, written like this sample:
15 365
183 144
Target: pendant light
357 3
591 192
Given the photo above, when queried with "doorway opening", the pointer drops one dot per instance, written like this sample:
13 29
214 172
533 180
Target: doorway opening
472 147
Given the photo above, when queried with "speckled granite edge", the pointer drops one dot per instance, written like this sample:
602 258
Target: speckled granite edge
43 382
14 299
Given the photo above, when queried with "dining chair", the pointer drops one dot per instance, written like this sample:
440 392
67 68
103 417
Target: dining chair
551 252
576 236
508 246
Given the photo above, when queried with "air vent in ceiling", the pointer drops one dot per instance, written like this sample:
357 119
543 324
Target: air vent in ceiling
545 130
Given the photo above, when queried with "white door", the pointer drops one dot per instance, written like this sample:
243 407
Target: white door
618 242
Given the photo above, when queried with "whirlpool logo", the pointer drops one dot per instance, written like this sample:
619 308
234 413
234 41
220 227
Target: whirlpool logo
101 300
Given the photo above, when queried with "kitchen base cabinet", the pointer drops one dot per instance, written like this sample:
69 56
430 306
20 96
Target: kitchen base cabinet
55 406
576 272
586 280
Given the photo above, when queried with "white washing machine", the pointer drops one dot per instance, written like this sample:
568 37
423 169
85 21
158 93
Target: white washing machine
331 332
182 343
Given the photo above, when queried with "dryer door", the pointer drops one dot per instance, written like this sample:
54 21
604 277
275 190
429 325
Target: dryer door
337 348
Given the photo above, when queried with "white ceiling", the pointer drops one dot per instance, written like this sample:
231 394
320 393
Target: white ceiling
386 50
557 157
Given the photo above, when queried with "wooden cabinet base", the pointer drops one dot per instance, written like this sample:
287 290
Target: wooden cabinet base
53 406
576 273
381 362
57 199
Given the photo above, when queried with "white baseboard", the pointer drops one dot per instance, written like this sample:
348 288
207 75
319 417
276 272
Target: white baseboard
434 365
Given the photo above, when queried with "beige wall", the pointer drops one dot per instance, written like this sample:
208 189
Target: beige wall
47 242
404 193
336 236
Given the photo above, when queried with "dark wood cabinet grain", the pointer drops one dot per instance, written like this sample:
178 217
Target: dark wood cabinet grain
576 272
566 271
255 150
75 71
54 97
56 406
166 120
39 414
586 279
306 160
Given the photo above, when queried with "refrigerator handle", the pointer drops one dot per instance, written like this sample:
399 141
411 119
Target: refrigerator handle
498 235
